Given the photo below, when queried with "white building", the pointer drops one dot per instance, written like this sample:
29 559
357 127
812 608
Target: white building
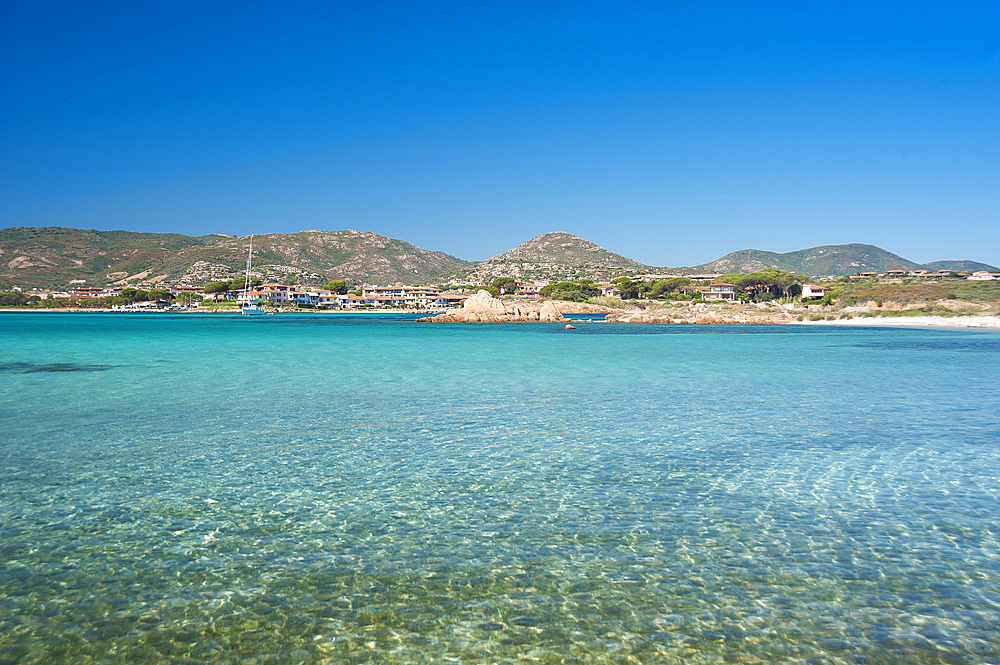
813 291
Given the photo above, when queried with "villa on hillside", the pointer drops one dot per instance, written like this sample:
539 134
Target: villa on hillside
609 290
720 291
529 289
716 291
813 291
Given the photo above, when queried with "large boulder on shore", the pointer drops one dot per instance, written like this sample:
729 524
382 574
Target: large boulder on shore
484 303
549 313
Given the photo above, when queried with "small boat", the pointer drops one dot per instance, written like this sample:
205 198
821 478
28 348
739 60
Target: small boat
248 309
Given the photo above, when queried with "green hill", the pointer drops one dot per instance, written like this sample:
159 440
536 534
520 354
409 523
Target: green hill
828 260
54 257
964 266
565 249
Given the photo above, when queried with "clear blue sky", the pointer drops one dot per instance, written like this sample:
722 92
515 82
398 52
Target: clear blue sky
671 132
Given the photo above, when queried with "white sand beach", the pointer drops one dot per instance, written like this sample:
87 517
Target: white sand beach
992 322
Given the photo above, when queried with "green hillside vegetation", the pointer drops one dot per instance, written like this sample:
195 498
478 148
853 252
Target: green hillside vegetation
815 261
767 284
53 257
960 266
580 291
630 289
916 290
126 297
830 260
560 248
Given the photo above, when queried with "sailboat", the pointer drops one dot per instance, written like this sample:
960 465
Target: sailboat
249 309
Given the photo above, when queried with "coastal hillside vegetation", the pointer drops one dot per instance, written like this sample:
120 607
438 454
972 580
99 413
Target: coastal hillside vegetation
766 284
55 257
127 296
504 284
580 291
560 248
904 292
630 289
17 299
338 286
829 260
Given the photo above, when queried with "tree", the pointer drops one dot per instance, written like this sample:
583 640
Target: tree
662 287
216 287
492 290
765 284
627 289
238 283
159 294
131 295
575 291
15 299
504 284
336 286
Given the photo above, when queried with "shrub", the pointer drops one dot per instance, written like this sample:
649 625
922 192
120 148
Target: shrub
608 301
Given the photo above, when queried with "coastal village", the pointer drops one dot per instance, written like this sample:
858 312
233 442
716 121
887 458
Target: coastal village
398 296
361 271
701 287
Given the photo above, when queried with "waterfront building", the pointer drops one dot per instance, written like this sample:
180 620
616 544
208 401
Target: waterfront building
720 291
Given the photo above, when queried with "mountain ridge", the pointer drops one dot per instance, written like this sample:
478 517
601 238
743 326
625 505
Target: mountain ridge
829 260
51 257
56 256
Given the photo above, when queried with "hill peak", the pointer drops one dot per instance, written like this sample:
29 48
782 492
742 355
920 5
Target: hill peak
562 248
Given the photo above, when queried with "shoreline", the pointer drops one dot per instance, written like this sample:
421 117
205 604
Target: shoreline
964 322
57 310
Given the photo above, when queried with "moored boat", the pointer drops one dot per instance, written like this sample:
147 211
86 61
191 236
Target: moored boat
249 309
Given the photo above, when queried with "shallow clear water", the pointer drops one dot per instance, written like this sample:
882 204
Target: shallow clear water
369 489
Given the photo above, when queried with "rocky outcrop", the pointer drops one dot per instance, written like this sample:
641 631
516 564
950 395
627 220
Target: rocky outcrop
549 312
484 303
484 308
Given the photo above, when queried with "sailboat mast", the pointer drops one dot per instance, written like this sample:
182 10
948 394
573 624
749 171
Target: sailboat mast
246 284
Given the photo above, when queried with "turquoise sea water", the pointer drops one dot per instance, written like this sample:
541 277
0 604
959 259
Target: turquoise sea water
368 489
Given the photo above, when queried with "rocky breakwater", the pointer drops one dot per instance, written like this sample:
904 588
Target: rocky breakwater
705 314
484 308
